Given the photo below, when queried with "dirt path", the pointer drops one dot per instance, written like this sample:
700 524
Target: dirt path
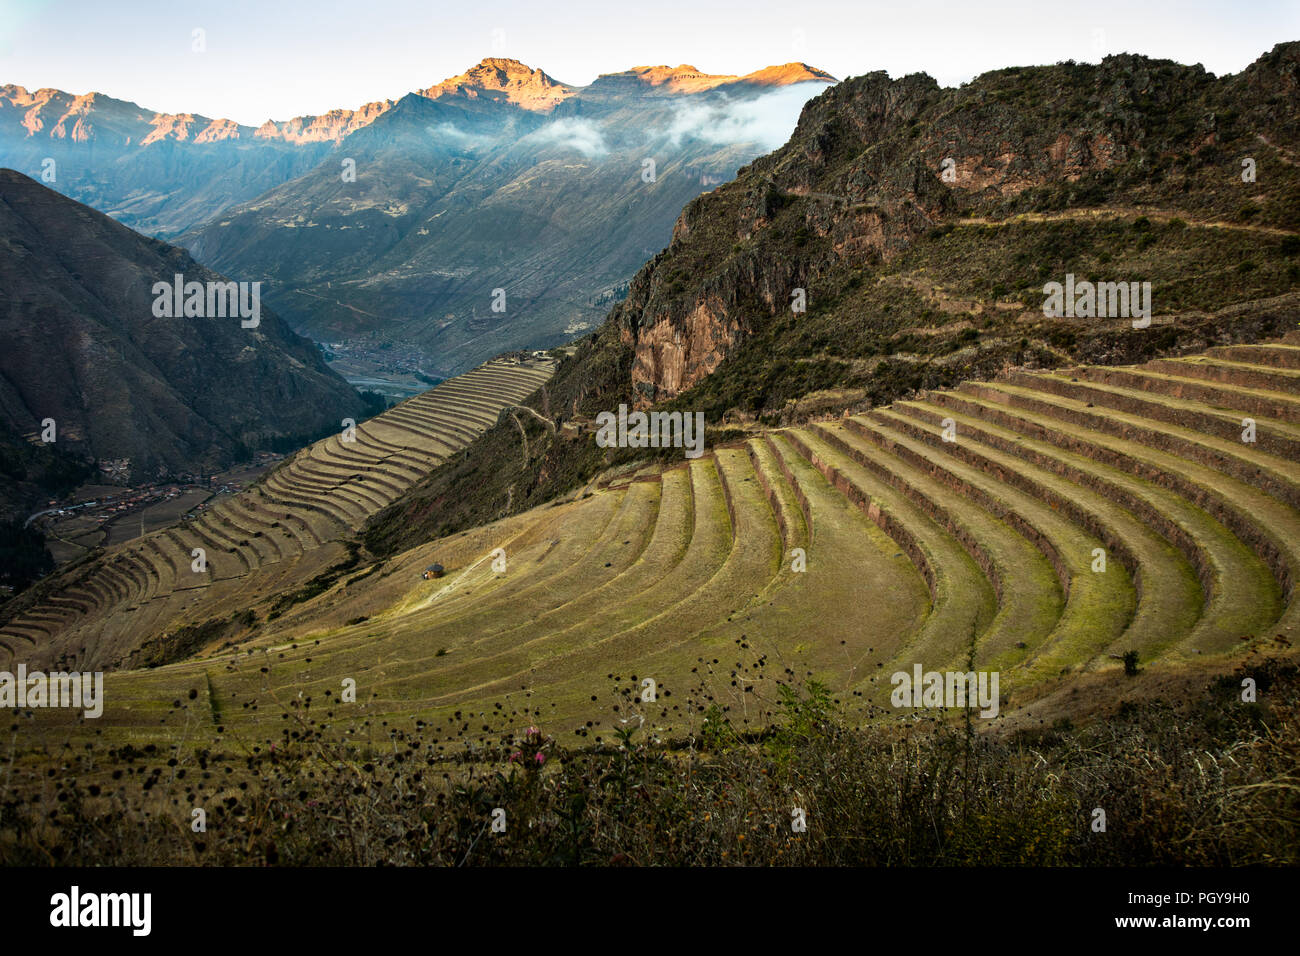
1283 153
1110 213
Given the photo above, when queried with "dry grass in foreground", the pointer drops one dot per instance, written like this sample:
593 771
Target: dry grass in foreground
1213 781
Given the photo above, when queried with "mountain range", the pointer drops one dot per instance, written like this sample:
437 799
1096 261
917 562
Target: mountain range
398 222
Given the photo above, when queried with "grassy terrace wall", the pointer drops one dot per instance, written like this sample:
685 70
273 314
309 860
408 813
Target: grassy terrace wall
919 550
286 534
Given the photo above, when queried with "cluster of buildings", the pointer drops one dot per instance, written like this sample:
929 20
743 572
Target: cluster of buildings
106 508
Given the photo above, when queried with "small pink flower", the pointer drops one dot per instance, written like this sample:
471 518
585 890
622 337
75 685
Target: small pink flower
515 756
541 758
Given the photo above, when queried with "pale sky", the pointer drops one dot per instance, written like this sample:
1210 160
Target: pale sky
282 58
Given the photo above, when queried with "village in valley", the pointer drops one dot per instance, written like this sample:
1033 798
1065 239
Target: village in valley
104 512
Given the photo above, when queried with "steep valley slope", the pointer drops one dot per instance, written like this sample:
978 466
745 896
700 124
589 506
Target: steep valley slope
90 372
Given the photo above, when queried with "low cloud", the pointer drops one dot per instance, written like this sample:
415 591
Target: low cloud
454 137
767 119
582 135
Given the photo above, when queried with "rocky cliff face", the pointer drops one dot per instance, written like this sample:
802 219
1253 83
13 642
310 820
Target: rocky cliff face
109 123
155 172
876 163
504 81
329 127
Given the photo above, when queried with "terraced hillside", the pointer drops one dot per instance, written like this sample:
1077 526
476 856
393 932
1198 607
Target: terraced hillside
278 536
987 547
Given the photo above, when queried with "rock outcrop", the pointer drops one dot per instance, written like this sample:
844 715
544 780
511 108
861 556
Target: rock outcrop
876 163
